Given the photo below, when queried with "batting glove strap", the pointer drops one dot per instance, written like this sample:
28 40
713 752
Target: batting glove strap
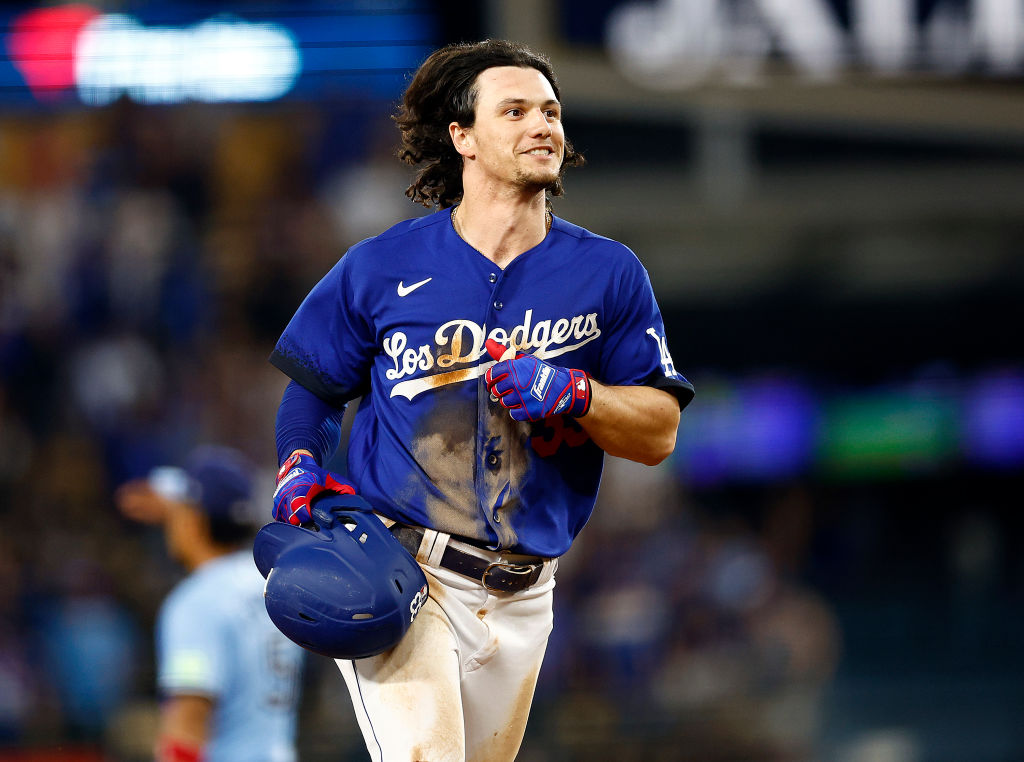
581 389
531 389
300 481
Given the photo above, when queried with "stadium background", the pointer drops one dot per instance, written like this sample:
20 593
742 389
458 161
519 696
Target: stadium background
829 199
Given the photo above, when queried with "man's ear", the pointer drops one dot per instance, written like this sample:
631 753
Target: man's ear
462 139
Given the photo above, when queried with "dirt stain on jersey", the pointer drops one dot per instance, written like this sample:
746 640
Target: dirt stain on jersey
502 475
444 449
475 460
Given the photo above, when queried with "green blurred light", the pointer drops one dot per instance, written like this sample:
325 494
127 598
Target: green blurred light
887 434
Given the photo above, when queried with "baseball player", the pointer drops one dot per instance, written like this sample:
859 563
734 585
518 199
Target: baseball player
499 352
228 678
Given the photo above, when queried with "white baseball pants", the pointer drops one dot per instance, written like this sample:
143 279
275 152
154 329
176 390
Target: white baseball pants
459 685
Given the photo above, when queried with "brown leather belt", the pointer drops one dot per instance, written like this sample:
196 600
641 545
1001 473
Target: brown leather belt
502 577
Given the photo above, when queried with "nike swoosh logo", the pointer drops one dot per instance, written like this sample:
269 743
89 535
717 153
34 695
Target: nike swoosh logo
406 290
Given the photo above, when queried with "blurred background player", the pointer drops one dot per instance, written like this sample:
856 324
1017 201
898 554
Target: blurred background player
228 679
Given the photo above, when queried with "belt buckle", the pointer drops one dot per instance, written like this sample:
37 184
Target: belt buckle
510 568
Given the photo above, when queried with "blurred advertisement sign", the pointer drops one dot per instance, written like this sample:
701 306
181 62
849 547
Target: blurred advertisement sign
674 44
773 429
173 53
216 60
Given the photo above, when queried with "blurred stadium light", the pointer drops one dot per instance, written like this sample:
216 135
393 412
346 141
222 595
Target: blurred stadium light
158 53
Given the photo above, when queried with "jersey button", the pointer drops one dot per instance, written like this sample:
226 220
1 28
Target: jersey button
497 304
497 519
492 278
493 460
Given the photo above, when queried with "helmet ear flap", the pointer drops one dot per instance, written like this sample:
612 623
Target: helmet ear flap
270 542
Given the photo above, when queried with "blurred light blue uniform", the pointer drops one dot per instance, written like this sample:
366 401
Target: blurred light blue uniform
214 638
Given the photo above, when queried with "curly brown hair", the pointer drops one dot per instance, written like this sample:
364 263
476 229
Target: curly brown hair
443 91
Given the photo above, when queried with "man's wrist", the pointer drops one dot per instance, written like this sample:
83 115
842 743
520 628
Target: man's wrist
178 750
582 392
291 461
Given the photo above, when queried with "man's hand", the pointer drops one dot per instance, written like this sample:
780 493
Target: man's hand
299 481
137 500
531 389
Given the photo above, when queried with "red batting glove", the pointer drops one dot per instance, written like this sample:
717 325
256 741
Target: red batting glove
299 481
531 389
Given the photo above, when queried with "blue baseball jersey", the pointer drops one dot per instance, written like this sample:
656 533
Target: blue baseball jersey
215 639
401 321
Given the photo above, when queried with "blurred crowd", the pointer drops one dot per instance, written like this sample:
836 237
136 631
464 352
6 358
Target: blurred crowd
149 258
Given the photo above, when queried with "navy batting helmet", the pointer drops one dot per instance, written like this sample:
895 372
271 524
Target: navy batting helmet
346 589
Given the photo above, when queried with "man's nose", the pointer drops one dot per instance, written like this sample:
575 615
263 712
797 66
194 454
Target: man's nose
539 124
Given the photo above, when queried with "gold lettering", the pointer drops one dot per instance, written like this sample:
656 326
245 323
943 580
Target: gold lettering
463 332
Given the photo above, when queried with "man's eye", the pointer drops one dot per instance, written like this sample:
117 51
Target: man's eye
514 112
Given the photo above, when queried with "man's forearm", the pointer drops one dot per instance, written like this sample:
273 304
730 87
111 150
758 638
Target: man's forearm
633 422
305 422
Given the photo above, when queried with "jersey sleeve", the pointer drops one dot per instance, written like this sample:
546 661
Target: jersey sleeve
191 652
636 351
328 344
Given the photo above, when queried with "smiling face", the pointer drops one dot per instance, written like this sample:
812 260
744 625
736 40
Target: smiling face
517 138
